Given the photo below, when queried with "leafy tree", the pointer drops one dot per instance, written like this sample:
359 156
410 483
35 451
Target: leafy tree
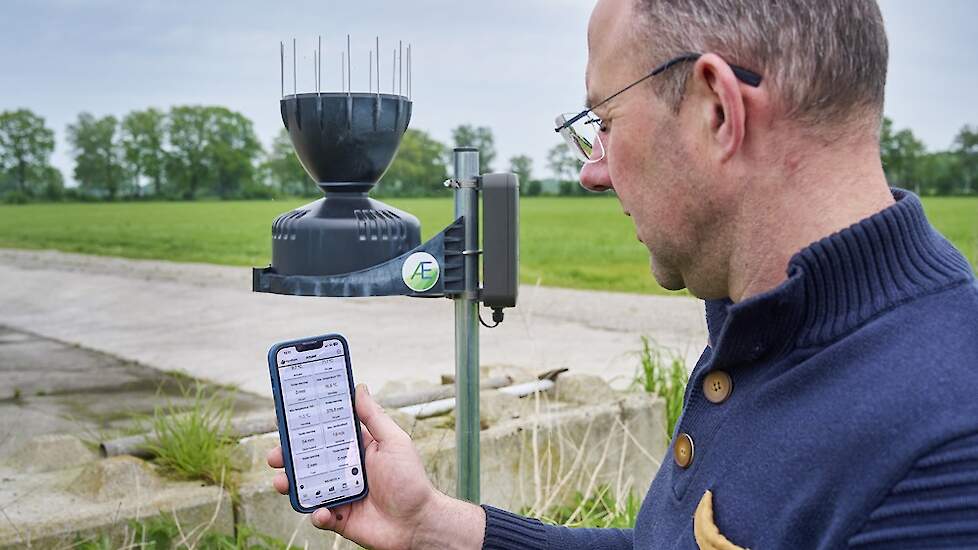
533 188
522 166
52 184
419 169
25 151
966 149
187 165
232 149
143 134
99 163
939 173
563 163
481 138
211 148
283 170
900 153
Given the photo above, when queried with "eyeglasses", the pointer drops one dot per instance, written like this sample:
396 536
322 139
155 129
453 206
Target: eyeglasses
581 131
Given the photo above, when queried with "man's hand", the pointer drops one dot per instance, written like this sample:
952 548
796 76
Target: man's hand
402 509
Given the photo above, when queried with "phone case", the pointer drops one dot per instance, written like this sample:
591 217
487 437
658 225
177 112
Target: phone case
283 432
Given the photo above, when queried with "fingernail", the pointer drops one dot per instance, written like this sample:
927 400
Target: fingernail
364 388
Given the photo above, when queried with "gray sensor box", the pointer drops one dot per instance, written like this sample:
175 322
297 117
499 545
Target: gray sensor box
500 240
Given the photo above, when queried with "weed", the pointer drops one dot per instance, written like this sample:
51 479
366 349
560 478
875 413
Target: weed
195 442
601 509
663 373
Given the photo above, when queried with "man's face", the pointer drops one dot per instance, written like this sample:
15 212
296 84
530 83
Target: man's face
649 161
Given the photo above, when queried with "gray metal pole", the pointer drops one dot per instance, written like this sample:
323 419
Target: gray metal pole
467 329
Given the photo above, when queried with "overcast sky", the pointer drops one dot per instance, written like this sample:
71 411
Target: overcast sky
511 65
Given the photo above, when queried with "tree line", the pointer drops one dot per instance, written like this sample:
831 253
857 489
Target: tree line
192 152
909 165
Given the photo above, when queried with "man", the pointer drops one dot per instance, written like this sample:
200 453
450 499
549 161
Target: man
836 404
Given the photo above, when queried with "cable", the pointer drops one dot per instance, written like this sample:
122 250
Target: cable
497 317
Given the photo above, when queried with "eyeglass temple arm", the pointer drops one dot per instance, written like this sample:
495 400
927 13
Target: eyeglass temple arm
746 76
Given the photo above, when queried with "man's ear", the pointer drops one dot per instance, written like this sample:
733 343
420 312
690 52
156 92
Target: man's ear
716 95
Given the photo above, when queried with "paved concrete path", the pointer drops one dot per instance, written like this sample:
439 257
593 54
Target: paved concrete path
204 320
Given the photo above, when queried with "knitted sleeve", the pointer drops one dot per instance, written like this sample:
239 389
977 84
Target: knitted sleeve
506 531
935 505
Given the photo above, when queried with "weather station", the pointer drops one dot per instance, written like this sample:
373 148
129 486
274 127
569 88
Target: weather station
350 245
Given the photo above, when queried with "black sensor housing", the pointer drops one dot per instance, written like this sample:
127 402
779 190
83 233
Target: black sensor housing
345 142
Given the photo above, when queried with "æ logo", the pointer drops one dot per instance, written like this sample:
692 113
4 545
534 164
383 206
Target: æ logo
420 271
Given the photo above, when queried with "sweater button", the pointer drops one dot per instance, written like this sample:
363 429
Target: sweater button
682 450
717 386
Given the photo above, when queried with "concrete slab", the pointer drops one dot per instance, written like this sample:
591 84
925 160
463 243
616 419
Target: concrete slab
50 387
204 320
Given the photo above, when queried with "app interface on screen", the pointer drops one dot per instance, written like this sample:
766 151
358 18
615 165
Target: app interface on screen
319 421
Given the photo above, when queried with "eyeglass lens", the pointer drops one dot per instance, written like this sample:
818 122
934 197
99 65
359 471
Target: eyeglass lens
582 137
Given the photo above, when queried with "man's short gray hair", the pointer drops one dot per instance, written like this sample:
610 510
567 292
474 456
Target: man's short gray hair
824 59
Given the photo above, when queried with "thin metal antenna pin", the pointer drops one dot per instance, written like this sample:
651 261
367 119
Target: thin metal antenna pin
295 81
319 66
400 68
377 45
349 67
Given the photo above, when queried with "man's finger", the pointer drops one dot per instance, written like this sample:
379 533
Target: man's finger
275 458
331 519
281 483
380 426
366 435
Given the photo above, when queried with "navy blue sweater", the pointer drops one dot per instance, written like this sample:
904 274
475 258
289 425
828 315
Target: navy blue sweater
853 419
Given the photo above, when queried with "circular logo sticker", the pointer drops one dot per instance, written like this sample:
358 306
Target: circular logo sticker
420 271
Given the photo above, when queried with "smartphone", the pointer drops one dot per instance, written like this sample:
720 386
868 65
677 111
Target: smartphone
312 381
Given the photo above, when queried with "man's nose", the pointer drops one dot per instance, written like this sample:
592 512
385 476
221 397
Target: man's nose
595 176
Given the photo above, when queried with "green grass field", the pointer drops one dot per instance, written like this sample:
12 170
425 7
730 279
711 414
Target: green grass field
570 242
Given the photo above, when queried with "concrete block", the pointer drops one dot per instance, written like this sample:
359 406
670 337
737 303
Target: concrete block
252 452
583 389
415 427
56 509
48 452
496 407
394 387
262 508
541 461
518 374
114 478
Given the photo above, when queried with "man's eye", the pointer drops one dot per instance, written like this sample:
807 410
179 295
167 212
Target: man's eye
598 124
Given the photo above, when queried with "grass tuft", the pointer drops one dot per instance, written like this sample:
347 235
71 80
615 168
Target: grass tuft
195 442
663 373
599 510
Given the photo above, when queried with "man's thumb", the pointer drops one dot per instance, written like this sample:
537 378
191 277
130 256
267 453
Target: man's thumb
380 426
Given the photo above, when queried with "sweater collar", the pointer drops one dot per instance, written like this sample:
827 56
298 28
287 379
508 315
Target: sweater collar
838 283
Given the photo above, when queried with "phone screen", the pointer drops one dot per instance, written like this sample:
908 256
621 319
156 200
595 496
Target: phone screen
315 390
